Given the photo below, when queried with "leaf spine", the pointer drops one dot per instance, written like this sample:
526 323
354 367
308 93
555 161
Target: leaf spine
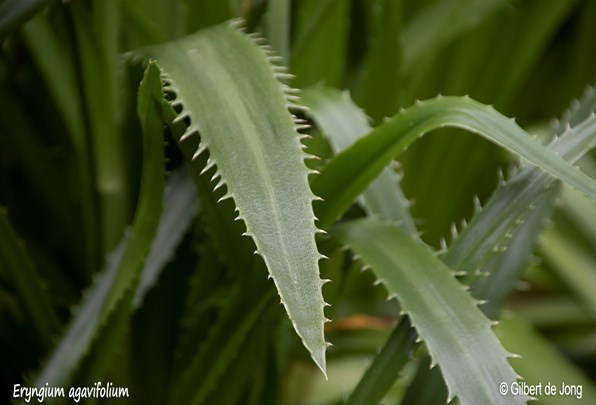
208 166
181 117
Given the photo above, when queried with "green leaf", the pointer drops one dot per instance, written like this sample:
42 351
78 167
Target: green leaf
279 28
320 45
99 64
458 336
441 22
517 210
515 198
14 12
180 204
347 175
109 298
382 71
227 88
574 265
25 280
344 123
234 249
226 336
58 71
502 272
385 369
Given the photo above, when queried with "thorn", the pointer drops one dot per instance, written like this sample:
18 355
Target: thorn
477 205
299 107
443 244
208 166
215 176
279 68
219 185
291 90
225 196
202 148
180 118
284 76
187 134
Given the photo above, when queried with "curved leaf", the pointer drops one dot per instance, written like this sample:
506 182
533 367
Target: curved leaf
227 87
348 174
458 336
344 123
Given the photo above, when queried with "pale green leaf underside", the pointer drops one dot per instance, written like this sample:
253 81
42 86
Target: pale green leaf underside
348 174
228 89
458 336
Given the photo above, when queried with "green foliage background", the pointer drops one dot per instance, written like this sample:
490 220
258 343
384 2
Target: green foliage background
120 262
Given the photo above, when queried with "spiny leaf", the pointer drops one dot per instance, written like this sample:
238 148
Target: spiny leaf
227 88
513 199
344 123
458 336
348 174
225 234
517 210
109 297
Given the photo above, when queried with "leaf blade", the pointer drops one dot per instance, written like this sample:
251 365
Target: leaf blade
348 173
225 84
445 316
344 123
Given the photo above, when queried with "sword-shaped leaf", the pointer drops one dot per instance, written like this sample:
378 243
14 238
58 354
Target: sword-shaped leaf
228 88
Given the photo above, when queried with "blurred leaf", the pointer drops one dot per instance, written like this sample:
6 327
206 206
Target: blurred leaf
96 37
22 275
319 50
15 12
441 22
180 207
541 363
279 28
386 367
575 266
227 335
383 72
58 71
